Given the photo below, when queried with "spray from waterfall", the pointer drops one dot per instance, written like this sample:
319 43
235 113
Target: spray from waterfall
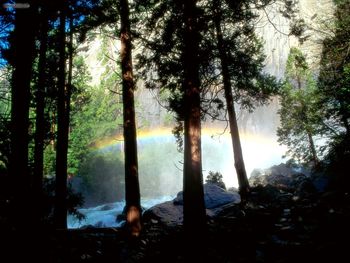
160 164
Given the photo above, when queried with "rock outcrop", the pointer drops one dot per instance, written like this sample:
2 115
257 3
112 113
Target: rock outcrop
171 212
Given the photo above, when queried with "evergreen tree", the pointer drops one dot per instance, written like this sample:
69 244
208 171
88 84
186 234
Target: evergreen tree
230 63
40 125
39 89
73 10
334 73
132 188
193 194
171 62
5 116
215 178
300 117
334 84
237 149
62 127
22 48
240 61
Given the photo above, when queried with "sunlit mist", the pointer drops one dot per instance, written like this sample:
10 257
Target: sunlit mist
159 157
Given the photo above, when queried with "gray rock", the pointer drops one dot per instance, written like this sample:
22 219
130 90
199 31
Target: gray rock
214 196
167 213
171 212
281 176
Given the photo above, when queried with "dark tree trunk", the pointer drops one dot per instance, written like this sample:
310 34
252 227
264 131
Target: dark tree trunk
344 116
70 72
62 131
23 47
236 142
40 118
313 149
193 194
132 188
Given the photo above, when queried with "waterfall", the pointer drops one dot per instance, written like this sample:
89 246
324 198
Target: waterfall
160 165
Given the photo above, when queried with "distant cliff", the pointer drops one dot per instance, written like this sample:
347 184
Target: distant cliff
101 55
274 29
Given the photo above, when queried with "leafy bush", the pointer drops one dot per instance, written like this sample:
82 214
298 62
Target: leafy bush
102 177
74 201
215 178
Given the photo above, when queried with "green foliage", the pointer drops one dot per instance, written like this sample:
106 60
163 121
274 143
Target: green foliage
300 117
103 178
74 201
161 61
49 161
215 178
96 114
168 119
334 72
334 83
5 112
4 143
297 68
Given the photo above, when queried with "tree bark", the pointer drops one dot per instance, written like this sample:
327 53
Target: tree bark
236 143
40 118
313 149
132 188
344 116
23 47
60 211
193 194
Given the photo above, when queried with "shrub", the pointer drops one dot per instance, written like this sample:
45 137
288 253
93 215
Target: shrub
215 178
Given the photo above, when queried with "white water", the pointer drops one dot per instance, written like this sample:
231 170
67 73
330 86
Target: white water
217 156
105 215
259 152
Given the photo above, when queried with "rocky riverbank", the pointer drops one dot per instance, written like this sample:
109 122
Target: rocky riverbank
287 217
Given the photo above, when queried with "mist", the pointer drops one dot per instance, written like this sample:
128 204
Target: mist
161 163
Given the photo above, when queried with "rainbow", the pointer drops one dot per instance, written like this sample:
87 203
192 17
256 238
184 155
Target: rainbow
142 136
165 134
217 154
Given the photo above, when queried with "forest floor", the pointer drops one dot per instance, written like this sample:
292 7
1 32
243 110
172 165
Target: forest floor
272 226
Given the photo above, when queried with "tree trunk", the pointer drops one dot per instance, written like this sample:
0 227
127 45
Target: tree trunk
62 132
70 73
313 149
23 47
193 194
132 188
236 143
40 118
344 116
308 131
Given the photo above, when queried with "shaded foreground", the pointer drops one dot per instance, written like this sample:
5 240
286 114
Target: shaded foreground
272 226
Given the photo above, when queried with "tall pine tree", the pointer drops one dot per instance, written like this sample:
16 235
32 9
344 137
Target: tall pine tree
194 210
300 117
22 47
132 188
334 85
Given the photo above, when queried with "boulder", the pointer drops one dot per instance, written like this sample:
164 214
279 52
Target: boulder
167 213
214 196
281 176
171 212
